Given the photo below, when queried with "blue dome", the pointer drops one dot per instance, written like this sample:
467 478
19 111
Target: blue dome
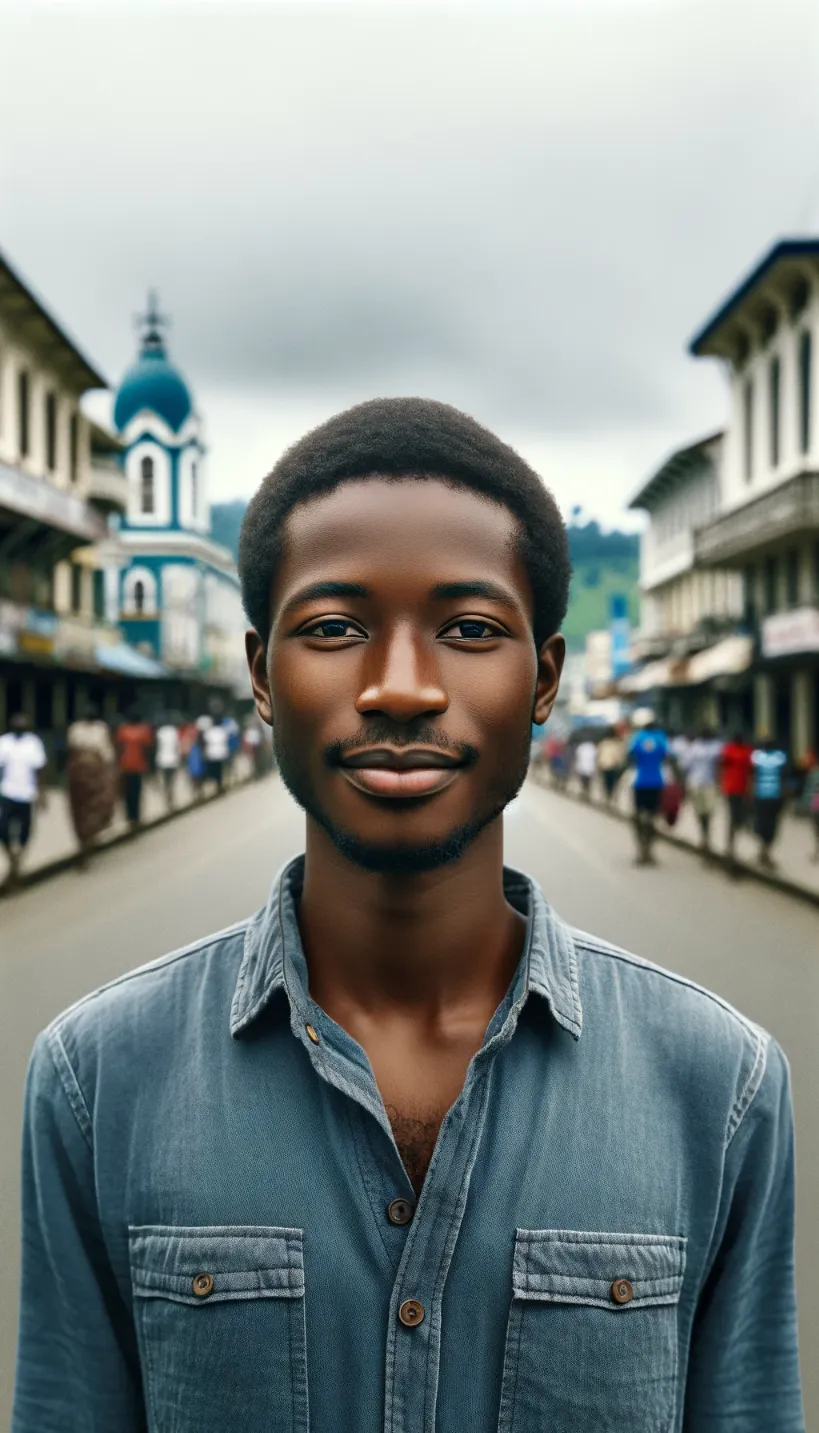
153 383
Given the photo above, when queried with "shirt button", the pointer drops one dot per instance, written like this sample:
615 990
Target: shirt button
203 1285
621 1291
400 1211
411 1313
312 1034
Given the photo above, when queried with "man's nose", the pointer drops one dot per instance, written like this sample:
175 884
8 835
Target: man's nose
402 679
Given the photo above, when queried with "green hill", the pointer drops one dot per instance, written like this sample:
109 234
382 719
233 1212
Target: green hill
604 564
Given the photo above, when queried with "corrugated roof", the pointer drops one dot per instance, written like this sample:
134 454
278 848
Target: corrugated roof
26 311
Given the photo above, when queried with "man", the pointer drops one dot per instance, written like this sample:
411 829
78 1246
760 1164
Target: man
22 758
736 765
134 743
700 767
647 751
215 733
403 1151
168 755
585 765
770 764
611 761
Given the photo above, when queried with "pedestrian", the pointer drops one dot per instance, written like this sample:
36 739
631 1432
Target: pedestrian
134 742
168 757
811 800
91 778
585 765
22 759
769 764
215 738
735 782
612 759
647 751
254 746
398 1107
701 763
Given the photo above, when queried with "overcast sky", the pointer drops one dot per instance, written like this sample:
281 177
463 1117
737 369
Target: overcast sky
524 210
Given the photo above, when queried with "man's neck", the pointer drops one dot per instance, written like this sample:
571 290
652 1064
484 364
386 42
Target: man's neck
420 946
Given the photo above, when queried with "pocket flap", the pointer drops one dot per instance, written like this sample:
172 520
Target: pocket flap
569 1266
203 1265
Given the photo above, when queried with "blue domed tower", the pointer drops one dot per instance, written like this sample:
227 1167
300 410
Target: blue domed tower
178 590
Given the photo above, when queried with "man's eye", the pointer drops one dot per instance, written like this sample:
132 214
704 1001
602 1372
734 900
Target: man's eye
470 629
332 627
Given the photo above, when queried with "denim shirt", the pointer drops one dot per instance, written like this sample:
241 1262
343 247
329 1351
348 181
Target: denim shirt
604 1239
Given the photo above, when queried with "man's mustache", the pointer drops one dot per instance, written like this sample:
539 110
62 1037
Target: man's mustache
382 733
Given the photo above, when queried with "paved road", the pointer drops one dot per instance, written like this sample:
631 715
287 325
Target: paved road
758 949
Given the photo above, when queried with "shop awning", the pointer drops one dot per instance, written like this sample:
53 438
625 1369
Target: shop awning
728 658
127 661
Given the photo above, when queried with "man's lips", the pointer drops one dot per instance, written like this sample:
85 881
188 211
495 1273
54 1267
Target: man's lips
404 772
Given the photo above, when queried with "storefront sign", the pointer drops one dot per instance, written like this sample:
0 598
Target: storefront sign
790 633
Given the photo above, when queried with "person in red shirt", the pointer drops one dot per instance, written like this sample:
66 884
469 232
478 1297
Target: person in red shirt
134 738
735 782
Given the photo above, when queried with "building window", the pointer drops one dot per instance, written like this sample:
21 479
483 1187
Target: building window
194 490
51 431
805 365
748 427
146 488
139 596
815 567
76 587
73 446
99 593
23 435
749 596
771 575
775 382
792 577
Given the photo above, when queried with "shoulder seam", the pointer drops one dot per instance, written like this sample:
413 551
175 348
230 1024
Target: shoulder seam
71 1085
160 964
746 1095
601 948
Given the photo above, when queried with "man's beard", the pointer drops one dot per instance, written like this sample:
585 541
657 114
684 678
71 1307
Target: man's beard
404 859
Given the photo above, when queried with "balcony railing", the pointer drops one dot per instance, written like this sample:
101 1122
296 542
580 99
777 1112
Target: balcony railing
107 487
787 511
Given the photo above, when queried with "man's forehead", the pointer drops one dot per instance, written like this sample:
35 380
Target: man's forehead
408 513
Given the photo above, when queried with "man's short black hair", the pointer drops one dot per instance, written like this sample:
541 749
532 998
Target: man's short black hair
397 438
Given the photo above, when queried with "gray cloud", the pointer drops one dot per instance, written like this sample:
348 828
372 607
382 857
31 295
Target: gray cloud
525 210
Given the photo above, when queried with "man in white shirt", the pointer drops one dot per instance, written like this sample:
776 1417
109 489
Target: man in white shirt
585 765
168 755
22 758
216 743
701 767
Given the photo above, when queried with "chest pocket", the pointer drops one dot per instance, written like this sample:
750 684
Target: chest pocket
220 1320
592 1337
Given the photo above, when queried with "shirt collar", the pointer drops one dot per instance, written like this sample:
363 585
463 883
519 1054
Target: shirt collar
273 958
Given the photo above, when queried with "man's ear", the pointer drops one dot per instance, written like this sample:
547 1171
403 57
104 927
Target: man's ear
256 653
550 661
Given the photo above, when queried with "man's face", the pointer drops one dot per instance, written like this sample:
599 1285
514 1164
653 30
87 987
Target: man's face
401 677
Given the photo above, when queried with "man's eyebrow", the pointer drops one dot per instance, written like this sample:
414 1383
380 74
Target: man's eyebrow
315 590
491 590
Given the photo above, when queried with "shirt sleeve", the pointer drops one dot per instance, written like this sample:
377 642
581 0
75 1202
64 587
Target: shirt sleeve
77 1364
40 754
743 1372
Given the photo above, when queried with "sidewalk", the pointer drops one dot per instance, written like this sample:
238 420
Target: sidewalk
795 871
53 844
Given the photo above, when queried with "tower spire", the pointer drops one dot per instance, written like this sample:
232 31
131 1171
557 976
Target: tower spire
152 324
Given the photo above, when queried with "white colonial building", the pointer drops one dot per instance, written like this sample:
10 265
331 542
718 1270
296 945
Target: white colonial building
177 590
732 549
766 335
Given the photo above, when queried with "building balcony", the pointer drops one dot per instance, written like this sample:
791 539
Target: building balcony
785 512
107 487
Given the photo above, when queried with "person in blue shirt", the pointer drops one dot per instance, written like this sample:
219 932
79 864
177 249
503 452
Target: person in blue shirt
403 1150
770 765
648 750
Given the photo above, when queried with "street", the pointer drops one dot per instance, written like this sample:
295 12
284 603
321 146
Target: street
753 946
